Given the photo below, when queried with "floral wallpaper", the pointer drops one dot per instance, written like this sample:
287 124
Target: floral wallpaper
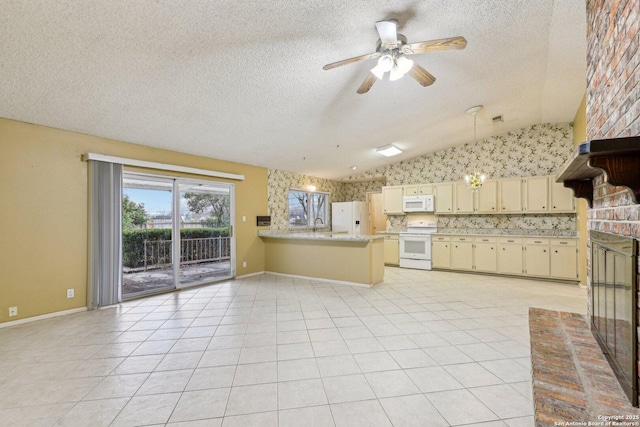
279 183
532 151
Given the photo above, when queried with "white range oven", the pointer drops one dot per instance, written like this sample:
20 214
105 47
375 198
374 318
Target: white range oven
415 244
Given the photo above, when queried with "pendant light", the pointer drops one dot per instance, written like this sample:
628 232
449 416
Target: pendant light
475 179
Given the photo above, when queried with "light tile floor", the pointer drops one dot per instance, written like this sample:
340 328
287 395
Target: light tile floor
422 349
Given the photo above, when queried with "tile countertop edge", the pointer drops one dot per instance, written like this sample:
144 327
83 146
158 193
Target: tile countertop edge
553 235
322 236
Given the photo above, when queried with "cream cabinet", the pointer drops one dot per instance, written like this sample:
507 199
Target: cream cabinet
536 257
487 198
564 259
418 189
555 258
392 200
425 189
561 198
391 249
509 257
410 190
511 195
536 194
441 252
464 199
444 197
485 254
462 253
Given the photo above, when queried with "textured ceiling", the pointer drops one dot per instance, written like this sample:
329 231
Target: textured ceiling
243 80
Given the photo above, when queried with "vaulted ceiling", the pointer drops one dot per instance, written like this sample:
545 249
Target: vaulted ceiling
243 80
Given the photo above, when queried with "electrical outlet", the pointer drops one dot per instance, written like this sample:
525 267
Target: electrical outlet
13 311
244 264
70 293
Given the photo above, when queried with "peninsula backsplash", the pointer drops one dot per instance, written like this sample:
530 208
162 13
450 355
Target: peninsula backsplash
535 150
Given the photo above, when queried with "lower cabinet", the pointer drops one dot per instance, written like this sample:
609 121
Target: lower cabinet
484 255
462 253
510 256
391 249
554 258
536 257
441 252
564 259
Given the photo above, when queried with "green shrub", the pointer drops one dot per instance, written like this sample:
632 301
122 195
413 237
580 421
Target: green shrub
133 241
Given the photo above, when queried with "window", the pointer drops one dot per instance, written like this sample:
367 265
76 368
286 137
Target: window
305 207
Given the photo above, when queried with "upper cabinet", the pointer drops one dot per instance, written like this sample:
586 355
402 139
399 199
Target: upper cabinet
465 199
562 199
444 197
530 195
487 198
536 194
392 200
511 195
418 189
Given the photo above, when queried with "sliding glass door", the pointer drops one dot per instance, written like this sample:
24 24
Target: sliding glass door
205 224
175 233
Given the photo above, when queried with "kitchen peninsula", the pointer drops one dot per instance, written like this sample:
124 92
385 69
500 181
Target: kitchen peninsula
347 258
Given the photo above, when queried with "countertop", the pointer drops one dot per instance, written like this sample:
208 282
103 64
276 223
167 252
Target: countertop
497 232
508 232
320 235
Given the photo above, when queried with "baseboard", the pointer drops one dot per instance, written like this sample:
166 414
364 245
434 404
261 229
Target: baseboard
318 279
42 317
244 276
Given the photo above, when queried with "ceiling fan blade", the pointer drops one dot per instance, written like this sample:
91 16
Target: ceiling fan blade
367 83
436 45
388 31
423 77
351 60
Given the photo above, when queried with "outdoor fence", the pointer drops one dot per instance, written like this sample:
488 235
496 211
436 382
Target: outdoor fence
157 253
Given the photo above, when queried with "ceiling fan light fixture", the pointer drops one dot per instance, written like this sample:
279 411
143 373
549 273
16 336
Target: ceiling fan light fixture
388 150
385 63
402 67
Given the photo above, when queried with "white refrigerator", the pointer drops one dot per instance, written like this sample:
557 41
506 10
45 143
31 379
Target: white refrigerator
352 217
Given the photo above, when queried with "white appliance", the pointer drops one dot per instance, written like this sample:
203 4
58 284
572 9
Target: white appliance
419 203
415 244
352 217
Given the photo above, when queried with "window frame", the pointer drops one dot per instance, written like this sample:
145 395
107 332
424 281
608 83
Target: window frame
310 219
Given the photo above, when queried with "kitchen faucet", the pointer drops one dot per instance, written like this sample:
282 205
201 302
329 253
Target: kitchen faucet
315 223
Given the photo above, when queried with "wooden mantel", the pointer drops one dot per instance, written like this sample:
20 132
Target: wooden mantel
618 158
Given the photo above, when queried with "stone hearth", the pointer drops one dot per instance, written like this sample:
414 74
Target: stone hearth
572 380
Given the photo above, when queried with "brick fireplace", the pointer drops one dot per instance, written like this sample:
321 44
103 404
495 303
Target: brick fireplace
613 108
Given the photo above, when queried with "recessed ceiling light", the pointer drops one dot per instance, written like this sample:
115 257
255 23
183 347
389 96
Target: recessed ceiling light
389 150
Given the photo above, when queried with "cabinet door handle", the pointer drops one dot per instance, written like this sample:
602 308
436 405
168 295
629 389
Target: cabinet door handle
545 251
556 251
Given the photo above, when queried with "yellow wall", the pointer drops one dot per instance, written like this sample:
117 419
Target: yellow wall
43 217
580 136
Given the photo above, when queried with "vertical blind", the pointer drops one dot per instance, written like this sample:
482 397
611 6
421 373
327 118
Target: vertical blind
105 236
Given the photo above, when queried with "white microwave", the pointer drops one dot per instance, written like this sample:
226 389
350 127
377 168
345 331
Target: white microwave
419 203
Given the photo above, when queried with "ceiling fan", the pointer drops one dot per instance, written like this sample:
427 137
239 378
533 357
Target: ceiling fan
392 51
